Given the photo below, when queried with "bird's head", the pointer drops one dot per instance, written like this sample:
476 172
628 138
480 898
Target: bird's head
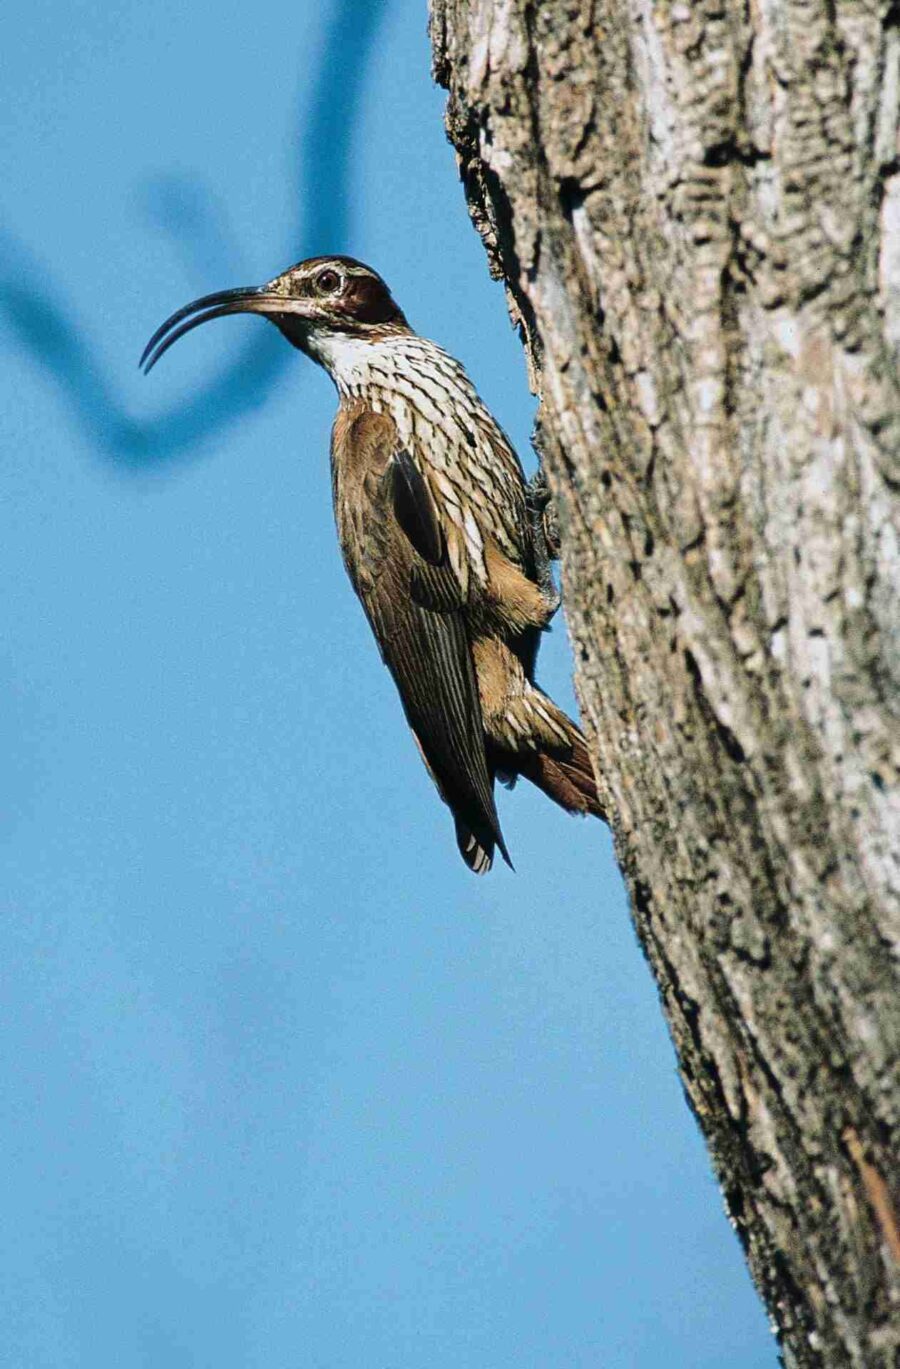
317 304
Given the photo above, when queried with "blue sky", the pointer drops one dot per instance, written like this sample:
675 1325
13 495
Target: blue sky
282 1082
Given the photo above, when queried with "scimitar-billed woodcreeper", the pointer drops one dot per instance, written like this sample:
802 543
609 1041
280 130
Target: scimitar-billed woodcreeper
445 544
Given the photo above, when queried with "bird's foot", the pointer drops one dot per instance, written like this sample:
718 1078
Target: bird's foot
544 535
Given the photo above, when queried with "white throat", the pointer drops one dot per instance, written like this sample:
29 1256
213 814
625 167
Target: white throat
352 362
406 376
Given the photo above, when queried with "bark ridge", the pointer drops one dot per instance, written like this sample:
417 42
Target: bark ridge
696 210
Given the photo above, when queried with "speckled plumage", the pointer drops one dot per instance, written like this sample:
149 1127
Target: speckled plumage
472 472
444 548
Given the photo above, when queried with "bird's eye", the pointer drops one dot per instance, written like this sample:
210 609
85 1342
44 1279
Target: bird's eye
328 281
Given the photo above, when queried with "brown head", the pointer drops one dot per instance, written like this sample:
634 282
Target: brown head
320 298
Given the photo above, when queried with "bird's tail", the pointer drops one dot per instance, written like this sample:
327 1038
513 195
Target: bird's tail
476 851
563 772
477 827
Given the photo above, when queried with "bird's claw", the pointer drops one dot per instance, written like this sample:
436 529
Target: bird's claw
544 533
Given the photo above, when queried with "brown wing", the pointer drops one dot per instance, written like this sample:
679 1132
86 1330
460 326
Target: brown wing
414 605
467 462
414 508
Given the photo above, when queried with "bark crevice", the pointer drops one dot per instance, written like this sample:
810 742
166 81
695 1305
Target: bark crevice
696 210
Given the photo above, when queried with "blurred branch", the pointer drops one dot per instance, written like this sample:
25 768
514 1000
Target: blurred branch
49 331
174 203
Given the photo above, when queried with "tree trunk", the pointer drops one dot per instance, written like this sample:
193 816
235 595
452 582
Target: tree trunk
696 209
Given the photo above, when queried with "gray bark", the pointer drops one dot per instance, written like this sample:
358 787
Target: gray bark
696 209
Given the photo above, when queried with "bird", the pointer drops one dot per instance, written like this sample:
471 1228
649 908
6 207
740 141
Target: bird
446 545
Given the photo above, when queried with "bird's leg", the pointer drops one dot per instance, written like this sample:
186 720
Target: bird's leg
544 535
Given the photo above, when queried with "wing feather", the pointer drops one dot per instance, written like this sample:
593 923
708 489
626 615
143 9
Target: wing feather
427 652
414 508
415 607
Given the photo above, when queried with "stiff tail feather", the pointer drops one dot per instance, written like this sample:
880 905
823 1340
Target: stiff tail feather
568 779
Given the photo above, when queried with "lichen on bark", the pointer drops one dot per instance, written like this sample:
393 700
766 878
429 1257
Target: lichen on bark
696 210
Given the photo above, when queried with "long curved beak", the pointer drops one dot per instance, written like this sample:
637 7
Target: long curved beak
250 299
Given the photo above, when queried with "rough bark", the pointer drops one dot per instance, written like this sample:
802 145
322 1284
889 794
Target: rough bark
696 209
